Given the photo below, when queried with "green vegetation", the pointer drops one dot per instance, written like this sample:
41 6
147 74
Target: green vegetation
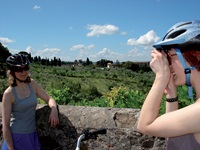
95 86
122 86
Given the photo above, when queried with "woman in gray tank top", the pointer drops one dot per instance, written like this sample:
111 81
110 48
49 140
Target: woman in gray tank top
19 106
175 62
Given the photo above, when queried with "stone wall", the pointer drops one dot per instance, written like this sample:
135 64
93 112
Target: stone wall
119 122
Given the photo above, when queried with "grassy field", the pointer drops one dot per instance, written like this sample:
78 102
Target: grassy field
96 86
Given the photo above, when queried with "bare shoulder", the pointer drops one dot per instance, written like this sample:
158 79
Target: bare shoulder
35 85
33 82
8 95
8 91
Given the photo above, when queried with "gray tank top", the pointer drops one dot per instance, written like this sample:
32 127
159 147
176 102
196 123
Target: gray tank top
186 142
23 113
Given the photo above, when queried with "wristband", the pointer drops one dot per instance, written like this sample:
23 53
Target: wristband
172 99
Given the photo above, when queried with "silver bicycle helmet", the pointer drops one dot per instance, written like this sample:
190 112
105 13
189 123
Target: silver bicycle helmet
181 35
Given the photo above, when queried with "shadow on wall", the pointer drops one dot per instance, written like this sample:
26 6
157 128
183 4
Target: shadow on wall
61 137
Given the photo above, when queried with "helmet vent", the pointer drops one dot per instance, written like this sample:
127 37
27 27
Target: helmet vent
184 24
175 34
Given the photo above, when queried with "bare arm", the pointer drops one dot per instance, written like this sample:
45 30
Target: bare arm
150 108
171 106
175 123
171 92
53 118
7 101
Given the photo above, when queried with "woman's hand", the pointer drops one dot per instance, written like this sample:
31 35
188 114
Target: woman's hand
53 118
160 65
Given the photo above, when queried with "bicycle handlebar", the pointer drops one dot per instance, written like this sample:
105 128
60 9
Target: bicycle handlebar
86 135
100 131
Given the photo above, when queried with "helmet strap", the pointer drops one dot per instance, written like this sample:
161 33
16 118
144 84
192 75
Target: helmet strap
25 81
187 72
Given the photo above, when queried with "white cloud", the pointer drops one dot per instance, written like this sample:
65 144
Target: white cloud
82 47
136 55
123 33
43 53
84 51
97 30
142 46
77 47
51 50
4 40
105 53
147 39
31 50
48 53
36 7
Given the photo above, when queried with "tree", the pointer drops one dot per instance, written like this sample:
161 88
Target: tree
87 62
59 62
35 59
131 65
103 62
43 61
55 61
4 53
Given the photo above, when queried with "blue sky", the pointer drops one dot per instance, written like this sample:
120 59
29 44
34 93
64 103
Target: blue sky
122 30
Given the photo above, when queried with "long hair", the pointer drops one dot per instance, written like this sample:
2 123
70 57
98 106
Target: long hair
12 79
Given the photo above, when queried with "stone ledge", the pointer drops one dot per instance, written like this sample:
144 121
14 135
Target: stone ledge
119 122
100 117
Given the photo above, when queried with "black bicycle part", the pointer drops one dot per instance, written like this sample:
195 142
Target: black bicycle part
93 134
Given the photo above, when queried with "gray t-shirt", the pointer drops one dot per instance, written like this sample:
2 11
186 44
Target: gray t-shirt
185 142
23 113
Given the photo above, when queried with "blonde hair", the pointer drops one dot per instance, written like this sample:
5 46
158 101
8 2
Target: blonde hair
12 79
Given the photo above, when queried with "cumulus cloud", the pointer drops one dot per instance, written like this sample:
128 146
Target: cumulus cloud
105 53
30 50
97 30
51 50
84 51
142 46
82 47
4 40
36 7
135 54
43 53
147 39
48 52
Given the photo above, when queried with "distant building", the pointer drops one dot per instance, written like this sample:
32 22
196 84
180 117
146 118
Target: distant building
109 65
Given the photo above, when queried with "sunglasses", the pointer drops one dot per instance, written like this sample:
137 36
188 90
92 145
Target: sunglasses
21 69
